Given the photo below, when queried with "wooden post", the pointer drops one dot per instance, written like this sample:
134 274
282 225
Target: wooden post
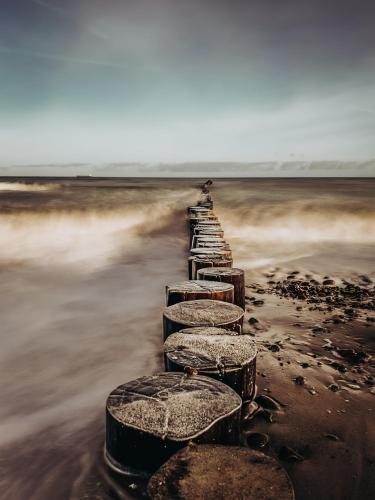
198 220
216 472
203 261
227 275
210 252
199 289
198 210
202 313
219 245
227 357
208 232
150 418
204 227
206 238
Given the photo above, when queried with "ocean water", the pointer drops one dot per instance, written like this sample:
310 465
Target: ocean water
83 268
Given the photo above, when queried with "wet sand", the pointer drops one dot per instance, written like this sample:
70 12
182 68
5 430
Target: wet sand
66 299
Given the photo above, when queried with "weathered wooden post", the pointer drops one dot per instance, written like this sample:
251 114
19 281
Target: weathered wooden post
195 220
198 210
149 419
212 252
220 245
208 231
231 275
205 227
207 238
203 261
213 472
202 313
227 357
198 289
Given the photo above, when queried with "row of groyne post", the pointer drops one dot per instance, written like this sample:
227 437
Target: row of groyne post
179 432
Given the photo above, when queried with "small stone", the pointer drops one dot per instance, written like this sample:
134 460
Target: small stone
328 282
299 380
257 440
333 387
249 410
273 347
305 365
267 402
253 321
290 455
332 437
355 387
258 302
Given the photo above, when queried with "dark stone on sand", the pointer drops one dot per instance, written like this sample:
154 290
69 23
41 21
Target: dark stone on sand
267 402
249 410
290 455
257 440
332 437
333 387
258 302
328 282
273 347
253 321
305 365
299 380
352 355
206 472
339 367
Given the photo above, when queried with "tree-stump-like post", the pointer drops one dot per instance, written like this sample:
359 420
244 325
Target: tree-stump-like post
149 419
204 227
206 238
227 357
208 251
208 231
198 289
203 261
202 313
231 275
198 210
212 471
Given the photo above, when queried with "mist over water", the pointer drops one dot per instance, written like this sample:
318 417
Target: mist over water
83 268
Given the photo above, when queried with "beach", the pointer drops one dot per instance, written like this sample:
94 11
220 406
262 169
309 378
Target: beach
84 264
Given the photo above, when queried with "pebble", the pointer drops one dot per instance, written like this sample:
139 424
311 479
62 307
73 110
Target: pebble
333 387
267 402
299 380
290 455
258 302
253 321
249 410
332 437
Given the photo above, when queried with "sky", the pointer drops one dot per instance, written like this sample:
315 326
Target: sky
172 81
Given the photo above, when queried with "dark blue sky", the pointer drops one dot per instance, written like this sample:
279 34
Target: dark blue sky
172 80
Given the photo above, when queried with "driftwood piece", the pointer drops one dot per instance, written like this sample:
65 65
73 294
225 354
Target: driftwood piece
198 289
231 275
203 261
227 357
212 472
202 313
149 419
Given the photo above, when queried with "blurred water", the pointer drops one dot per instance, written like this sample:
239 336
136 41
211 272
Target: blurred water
83 267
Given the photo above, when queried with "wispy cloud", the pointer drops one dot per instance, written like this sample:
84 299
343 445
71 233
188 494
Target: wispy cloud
66 14
60 57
